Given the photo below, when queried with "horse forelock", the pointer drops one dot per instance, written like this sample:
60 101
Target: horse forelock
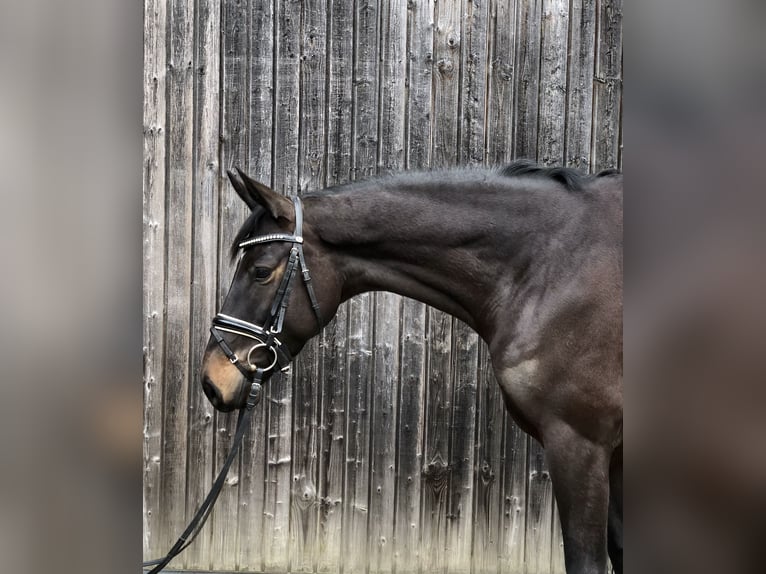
247 230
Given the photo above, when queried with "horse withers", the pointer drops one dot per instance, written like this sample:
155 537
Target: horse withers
529 257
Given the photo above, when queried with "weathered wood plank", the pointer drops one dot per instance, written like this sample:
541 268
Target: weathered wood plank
420 45
361 314
526 97
304 515
488 503
500 77
437 469
412 375
582 39
154 179
204 263
340 91
462 429
335 336
471 151
445 111
178 263
232 213
332 429
366 62
514 495
446 114
410 436
252 479
286 126
608 87
383 440
356 479
391 138
553 81
473 83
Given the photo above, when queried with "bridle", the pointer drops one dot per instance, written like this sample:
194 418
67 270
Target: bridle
265 337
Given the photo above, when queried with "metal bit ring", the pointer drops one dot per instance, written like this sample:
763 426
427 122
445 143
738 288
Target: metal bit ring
260 346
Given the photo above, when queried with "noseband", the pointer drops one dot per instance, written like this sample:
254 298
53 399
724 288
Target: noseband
265 336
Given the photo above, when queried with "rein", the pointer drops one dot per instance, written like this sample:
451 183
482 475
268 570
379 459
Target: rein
266 338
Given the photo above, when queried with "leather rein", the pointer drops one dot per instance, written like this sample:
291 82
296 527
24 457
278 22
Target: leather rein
265 337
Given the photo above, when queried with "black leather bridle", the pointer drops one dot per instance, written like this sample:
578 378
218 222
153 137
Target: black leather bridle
266 338
266 335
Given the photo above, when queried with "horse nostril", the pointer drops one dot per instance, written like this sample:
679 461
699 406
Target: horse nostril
211 392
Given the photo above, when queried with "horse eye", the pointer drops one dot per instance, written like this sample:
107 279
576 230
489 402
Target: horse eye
262 272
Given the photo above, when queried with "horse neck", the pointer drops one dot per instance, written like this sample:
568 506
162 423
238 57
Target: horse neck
435 242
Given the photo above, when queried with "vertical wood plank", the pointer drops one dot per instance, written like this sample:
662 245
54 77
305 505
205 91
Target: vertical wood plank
286 126
204 263
608 85
155 142
304 513
471 151
224 520
383 439
473 82
260 97
435 511
392 76
178 263
582 34
436 471
332 429
334 360
412 375
410 436
514 494
462 428
420 81
356 483
445 110
488 503
361 316
553 81
525 116
500 75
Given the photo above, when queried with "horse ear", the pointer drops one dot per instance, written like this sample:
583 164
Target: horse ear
255 194
241 190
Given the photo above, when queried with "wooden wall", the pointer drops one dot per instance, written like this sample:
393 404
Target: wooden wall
388 447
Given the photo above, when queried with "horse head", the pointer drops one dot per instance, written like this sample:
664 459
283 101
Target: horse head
285 286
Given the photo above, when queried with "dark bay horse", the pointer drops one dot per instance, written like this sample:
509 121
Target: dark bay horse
529 257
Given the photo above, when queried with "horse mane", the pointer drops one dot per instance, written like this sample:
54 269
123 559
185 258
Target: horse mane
572 179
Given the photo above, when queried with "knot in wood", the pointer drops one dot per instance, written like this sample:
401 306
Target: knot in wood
445 67
487 474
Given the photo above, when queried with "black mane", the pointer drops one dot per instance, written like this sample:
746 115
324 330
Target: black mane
572 179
